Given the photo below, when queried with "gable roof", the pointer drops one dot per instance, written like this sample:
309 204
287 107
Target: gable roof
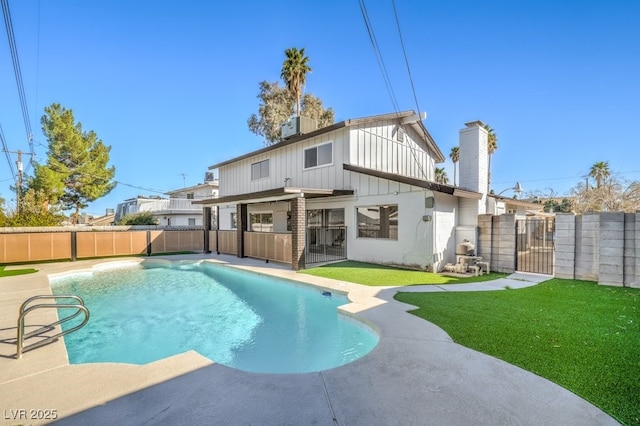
417 126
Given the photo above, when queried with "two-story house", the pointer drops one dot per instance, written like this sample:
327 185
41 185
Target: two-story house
361 189
179 209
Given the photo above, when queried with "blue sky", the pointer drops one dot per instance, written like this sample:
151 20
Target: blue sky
170 85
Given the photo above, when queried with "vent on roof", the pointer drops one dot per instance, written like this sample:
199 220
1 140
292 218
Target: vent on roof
297 126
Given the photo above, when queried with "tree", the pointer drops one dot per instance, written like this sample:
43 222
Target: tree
294 73
492 145
441 176
612 195
3 214
600 171
34 211
76 171
276 107
455 157
140 218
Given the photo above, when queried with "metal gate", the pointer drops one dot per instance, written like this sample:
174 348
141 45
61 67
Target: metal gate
326 244
535 245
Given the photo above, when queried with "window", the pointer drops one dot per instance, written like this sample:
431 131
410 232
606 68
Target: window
260 170
378 222
190 196
318 155
261 222
234 221
192 221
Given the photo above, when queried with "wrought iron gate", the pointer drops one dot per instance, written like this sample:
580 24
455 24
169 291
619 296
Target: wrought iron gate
535 245
326 244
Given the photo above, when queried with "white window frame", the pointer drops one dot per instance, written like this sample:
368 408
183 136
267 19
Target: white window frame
191 219
261 169
233 220
316 147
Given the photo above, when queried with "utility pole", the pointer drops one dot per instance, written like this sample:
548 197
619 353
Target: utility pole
19 178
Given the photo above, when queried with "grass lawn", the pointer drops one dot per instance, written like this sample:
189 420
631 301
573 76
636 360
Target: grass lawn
374 275
583 336
4 273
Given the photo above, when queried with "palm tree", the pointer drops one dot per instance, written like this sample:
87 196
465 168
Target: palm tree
294 73
441 176
455 157
492 145
600 171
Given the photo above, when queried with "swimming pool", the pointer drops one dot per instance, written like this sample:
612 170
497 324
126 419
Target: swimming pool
144 312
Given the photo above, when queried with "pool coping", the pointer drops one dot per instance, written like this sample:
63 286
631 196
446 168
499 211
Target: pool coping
416 374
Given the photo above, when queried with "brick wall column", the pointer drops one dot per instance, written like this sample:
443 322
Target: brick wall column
298 233
242 219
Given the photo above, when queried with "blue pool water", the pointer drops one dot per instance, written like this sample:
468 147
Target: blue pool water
248 321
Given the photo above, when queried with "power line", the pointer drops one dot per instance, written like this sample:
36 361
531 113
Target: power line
18 73
6 152
378 54
406 60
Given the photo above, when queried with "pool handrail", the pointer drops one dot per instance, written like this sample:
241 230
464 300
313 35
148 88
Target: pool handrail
25 309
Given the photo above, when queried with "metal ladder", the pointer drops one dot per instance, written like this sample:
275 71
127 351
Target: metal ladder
25 309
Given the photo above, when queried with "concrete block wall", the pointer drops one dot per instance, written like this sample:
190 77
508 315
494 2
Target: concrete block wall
485 237
503 247
602 247
636 282
565 243
611 249
630 250
587 246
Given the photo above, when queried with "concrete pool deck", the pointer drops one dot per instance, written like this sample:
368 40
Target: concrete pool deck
415 375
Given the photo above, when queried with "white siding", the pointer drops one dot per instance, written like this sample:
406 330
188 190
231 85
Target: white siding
445 212
377 147
224 216
288 162
414 246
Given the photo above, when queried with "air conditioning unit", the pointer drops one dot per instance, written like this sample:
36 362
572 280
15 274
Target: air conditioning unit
209 177
297 126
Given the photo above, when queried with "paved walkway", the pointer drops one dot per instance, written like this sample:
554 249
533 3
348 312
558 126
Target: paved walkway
416 375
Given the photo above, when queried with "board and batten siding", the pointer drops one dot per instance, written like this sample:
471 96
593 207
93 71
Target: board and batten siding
288 162
377 147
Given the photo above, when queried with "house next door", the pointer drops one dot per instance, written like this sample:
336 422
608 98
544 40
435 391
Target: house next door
326 235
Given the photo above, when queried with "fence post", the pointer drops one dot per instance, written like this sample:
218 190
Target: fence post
148 242
74 246
206 221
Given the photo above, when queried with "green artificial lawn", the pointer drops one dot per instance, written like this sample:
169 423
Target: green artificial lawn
374 275
583 336
4 273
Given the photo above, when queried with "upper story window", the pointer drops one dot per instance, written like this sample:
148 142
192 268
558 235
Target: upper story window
260 170
318 155
190 195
